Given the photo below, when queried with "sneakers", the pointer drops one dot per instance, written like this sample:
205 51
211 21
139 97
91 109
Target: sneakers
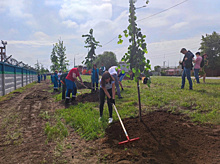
120 97
110 120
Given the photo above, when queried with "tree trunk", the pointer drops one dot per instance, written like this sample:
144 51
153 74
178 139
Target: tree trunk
139 99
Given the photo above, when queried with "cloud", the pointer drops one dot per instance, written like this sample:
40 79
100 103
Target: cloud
85 10
179 26
70 24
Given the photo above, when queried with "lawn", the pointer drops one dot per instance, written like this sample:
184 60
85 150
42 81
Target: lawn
201 104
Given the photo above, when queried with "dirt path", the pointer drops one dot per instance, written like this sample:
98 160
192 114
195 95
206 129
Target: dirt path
164 137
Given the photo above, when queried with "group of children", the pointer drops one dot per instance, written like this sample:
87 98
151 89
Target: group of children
109 80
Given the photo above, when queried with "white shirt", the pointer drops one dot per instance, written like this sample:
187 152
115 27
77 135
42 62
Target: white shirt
107 85
112 70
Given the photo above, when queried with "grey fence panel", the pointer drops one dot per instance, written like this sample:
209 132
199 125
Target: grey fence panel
13 77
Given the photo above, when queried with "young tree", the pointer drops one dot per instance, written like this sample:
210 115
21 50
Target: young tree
92 44
108 59
136 51
54 60
211 46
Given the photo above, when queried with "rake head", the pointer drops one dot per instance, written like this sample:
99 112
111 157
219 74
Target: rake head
128 140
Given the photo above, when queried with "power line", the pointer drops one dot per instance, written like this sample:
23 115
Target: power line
150 17
163 11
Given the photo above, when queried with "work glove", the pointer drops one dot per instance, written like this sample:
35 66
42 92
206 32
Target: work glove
112 101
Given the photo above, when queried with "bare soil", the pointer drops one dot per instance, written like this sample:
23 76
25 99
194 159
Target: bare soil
164 137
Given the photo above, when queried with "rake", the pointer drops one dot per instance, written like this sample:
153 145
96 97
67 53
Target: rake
126 134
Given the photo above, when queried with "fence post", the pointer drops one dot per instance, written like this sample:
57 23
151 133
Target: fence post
3 79
15 86
22 79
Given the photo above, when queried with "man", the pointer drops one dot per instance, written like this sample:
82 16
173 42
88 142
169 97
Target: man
70 83
59 74
62 80
114 73
197 66
55 83
187 67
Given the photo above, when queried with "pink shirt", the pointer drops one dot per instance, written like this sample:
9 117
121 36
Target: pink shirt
197 63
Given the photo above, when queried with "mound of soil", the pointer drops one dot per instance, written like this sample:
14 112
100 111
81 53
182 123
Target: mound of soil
164 138
80 86
88 97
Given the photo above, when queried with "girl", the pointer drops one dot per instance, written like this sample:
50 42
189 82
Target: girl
107 87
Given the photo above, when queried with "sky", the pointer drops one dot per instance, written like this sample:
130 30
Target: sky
31 27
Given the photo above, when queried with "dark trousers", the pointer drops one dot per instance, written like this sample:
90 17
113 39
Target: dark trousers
102 101
63 91
93 86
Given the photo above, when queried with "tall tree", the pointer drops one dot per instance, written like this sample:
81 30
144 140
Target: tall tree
58 57
108 59
37 67
60 50
136 51
54 60
91 43
211 46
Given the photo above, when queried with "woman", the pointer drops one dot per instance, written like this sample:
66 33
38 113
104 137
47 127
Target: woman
202 73
107 87
95 77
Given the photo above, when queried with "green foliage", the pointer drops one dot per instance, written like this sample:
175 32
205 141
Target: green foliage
92 44
56 132
211 46
138 48
58 57
108 59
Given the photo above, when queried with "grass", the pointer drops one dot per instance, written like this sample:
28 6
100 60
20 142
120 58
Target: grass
201 104
21 89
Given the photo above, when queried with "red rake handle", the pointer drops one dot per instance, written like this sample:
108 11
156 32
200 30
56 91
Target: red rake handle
121 122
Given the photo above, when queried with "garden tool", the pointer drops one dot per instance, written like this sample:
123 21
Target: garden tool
126 134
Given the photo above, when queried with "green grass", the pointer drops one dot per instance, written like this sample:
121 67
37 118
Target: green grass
201 104
21 89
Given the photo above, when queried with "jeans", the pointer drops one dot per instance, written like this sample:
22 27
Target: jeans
196 74
117 85
186 73
70 87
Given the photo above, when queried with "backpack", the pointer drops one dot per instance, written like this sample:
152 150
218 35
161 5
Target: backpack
202 62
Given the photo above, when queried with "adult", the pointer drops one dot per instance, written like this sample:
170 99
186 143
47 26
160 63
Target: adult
70 83
38 78
45 76
197 66
103 69
62 80
187 67
120 78
114 73
107 87
59 74
202 73
95 77
55 83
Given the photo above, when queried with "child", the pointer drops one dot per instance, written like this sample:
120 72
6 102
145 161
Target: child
95 77
107 87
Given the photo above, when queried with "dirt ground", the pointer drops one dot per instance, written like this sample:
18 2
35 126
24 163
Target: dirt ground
164 137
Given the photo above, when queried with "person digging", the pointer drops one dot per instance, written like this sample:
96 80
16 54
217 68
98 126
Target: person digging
71 85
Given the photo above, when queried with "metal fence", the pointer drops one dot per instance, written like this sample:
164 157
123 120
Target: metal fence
13 77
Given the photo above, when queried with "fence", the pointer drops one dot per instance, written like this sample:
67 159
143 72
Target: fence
13 77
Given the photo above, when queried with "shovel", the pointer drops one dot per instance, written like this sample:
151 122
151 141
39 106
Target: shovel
126 134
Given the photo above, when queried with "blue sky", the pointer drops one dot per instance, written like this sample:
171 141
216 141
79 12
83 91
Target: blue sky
31 27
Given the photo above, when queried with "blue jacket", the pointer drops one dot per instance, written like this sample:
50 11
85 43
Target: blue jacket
95 76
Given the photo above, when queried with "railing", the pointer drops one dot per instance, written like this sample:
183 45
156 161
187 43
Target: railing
13 77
